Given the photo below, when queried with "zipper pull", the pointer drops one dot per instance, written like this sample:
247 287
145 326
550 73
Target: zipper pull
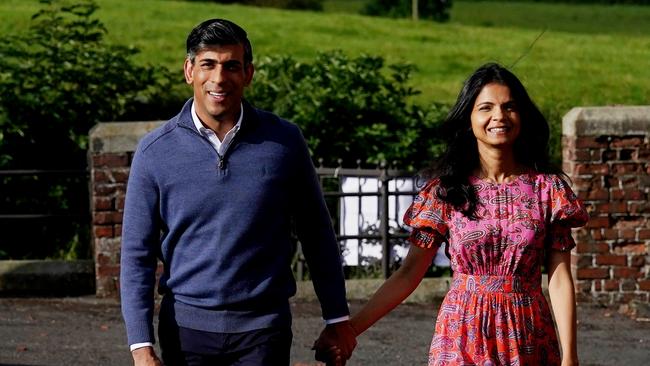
222 163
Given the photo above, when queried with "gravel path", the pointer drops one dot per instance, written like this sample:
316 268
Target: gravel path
89 331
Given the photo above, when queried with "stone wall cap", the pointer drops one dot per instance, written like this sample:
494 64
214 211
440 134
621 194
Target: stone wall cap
116 137
610 120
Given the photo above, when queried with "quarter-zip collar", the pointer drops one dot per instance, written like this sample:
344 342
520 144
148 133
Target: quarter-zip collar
220 146
249 121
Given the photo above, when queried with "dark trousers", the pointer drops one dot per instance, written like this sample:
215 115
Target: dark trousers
189 347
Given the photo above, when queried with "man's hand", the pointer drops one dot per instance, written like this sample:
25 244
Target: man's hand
145 356
336 343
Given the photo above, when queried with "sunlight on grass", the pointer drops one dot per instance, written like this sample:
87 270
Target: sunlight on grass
567 66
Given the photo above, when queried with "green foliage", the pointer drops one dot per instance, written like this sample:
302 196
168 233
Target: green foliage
437 10
350 108
282 4
57 79
605 2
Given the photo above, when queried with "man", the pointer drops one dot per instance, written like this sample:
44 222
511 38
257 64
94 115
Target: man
212 194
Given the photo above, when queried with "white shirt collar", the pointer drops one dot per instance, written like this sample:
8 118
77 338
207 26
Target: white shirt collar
200 127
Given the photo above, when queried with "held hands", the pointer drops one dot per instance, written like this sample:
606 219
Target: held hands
335 344
145 356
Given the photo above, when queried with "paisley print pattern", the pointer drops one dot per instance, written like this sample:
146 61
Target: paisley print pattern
495 312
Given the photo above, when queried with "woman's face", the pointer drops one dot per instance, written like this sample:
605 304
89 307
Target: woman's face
495 117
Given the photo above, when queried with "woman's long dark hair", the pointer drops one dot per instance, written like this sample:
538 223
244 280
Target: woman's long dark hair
461 156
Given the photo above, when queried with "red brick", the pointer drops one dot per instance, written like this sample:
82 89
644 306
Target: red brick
599 222
616 194
626 168
120 176
630 248
597 234
611 207
583 261
626 142
103 260
593 248
581 155
104 189
111 160
102 203
582 169
101 176
610 234
644 285
117 230
642 154
589 142
629 222
608 155
584 286
628 285
626 272
598 285
107 217
119 203
611 285
613 182
634 194
637 261
611 260
629 234
104 271
582 235
592 273
644 234
101 231
636 208
627 154
598 194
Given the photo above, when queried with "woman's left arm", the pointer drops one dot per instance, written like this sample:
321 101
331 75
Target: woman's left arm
562 293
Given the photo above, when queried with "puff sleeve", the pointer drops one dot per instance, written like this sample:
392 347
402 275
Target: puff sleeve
426 217
566 212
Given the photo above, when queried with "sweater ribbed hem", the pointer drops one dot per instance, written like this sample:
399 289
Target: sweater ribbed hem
231 320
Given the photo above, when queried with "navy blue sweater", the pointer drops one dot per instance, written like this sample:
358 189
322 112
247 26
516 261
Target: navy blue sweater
223 232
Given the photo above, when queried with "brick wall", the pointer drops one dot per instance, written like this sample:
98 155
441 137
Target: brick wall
109 157
606 152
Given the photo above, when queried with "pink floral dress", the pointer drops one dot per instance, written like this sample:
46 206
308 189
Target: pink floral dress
495 312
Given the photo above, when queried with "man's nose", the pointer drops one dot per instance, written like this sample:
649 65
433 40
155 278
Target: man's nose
217 75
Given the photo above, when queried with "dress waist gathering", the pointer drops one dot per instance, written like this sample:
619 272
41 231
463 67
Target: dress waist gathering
494 284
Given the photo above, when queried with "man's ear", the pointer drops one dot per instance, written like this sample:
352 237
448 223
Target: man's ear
188 67
250 71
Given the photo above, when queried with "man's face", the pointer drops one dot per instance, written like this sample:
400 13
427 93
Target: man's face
218 76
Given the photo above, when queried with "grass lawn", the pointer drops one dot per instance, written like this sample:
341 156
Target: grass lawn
567 55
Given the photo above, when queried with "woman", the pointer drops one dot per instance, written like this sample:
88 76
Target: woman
503 210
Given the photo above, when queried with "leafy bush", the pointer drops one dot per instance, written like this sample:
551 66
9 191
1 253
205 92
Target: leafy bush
56 81
350 108
437 10
283 4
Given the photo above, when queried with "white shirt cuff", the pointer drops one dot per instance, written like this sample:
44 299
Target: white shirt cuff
337 320
135 346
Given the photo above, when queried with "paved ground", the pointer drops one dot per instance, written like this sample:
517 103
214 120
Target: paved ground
88 331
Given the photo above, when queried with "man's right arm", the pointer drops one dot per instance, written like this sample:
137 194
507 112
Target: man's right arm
138 261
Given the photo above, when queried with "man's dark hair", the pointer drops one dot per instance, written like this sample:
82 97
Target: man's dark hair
218 32
461 156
